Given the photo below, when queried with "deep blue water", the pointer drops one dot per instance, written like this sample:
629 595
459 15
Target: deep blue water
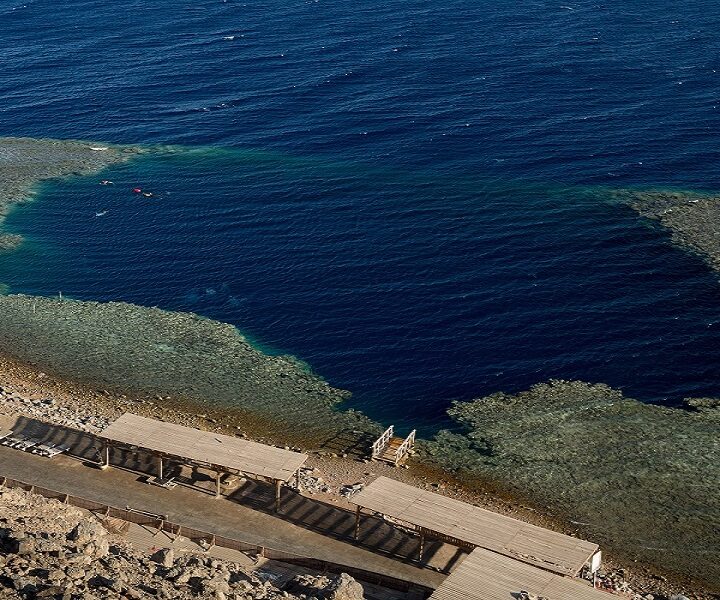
407 195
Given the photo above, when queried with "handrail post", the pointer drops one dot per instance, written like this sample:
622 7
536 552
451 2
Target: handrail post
405 447
381 443
357 522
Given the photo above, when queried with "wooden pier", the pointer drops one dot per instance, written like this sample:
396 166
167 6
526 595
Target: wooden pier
391 449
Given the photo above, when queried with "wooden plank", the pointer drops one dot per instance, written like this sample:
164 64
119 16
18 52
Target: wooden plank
476 526
194 445
485 575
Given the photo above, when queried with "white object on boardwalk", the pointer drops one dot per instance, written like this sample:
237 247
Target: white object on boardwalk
50 450
168 482
42 449
13 442
60 449
26 444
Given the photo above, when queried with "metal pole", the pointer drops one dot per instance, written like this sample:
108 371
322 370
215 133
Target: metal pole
107 456
422 545
217 484
160 467
277 495
357 522
297 479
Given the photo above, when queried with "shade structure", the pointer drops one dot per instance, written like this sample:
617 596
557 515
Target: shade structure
472 526
220 452
485 575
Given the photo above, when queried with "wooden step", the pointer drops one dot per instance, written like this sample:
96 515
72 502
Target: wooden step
390 450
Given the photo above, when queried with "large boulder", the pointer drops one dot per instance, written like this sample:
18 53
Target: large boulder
345 588
19 543
164 557
86 531
341 587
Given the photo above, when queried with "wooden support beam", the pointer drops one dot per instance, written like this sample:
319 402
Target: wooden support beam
217 484
160 467
105 460
421 547
357 522
278 483
297 480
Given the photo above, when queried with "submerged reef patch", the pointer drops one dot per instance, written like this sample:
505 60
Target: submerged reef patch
183 357
26 161
640 478
692 218
9 242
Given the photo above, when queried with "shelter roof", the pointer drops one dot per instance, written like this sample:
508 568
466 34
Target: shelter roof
476 526
485 575
222 452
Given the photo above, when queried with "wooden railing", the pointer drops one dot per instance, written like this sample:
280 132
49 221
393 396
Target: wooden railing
381 443
206 539
405 447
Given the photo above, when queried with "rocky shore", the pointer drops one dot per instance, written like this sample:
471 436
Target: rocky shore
50 550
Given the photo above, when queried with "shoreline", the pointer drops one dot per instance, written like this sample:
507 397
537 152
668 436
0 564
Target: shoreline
180 359
24 390
637 478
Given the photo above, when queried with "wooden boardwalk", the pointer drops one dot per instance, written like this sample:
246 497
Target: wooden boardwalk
485 575
471 526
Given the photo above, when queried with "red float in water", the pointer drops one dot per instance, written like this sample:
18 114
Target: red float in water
137 190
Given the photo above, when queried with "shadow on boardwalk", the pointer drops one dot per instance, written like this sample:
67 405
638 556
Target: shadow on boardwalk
312 514
376 534
82 445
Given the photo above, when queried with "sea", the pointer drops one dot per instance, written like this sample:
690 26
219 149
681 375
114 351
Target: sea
414 198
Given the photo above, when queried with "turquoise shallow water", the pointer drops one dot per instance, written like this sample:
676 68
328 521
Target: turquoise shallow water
408 288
